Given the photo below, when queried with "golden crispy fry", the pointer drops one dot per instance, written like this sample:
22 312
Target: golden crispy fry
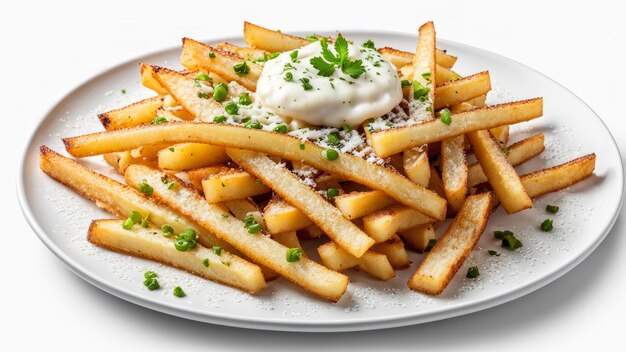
120 161
187 156
132 115
419 237
296 193
196 57
243 52
375 264
558 177
306 273
269 40
464 89
196 176
142 242
358 204
416 166
281 216
383 224
395 140
516 153
448 254
454 171
501 175
148 80
232 184
393 248
424 59
402 58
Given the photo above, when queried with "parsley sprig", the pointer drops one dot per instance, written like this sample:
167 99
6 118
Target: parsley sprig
328 62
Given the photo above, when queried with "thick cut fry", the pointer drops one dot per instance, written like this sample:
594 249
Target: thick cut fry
442 74
355 205
558 177
419 237
395 140
284 146
424 60
516 153
243 52
454 171
501 175
306 273
142 242
281 216
232 184
383 224
375 264
148 81
448 254
435 183
120 161
196 57
148 152
416 166
296 193
196 176
118 198
132 115
402 58
187 156
393 248
464 89
269 40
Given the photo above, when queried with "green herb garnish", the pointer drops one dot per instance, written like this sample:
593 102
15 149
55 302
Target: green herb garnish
552 209
145 188
369 44
220 92
231 108
241 68
293 255
446 116
178 292
546 225
330 154
326 64
159 120
472 273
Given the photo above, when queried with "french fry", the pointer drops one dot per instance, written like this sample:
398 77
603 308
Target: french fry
187 156
120 161
243 52
196 176
148 152
135 114
291 189
306 273
517 154
501 175
395 140
284 146
424 59
416 166
446 257
148 81
196 57
558 177
383 224
281 216
375 264
419 237
232 184
464 89
454 171
118 198
355 205
269 40
442 74
393 248
402 58
141 242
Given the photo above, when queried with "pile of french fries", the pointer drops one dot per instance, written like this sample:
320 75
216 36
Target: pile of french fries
184 170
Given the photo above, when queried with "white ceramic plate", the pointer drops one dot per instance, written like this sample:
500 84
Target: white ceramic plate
588 210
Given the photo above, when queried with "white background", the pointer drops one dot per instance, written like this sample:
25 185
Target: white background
49 48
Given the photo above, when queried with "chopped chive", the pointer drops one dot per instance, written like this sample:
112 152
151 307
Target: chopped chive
206 263
172 149
511 242
152 284
241 68
212 55
346 127
123 91
492 252
405 83
253 124
546 225
552 209
217 250
330 154
501 234
281 128
332 193
203 95
446 116
472 273
203 77
178 292
333 138
128 224
220 92
135 216
288 77
168 230
294 56
293 255
145 188
159 120
149 274
219 119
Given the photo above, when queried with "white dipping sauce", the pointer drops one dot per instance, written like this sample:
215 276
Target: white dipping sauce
332 101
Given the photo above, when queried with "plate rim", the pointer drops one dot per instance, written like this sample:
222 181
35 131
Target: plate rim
327 325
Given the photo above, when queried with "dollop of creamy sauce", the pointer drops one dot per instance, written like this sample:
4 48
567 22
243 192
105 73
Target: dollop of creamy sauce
292 87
